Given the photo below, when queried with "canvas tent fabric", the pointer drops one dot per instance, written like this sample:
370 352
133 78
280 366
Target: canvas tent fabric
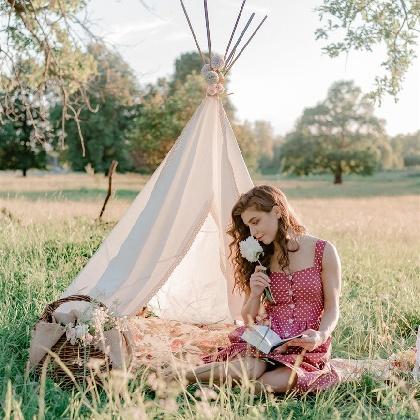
170 248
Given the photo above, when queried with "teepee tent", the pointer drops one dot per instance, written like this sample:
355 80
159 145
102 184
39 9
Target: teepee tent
170 249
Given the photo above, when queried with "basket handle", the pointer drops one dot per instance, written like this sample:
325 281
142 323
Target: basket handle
51 307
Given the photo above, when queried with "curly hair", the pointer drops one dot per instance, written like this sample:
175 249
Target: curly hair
261 198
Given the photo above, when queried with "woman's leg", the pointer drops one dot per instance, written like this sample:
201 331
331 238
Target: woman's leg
236 369
276 379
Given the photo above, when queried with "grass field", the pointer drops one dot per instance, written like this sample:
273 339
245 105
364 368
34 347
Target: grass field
48 232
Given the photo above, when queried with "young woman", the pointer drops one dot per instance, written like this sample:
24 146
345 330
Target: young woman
304 275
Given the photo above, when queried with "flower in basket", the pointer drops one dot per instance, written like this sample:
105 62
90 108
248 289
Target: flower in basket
251 250
78 332
91 324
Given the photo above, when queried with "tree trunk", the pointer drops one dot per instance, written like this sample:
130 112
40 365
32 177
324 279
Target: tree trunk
24 171
338 179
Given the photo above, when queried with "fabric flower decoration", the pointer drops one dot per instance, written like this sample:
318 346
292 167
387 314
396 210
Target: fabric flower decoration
220 88
217 62
212 90
206 68
211 77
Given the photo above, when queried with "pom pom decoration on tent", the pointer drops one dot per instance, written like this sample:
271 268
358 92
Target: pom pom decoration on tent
215 67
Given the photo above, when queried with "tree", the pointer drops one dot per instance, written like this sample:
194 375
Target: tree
166 108
364 25
247 143
407 148
273 165
186 64
263 132
114 92
43 51
19 148
161 118
340 135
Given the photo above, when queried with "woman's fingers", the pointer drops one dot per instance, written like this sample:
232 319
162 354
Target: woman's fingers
262 276
281 348
261 281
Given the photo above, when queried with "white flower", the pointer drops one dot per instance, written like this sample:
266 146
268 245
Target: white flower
211 77
217 62
250 249
81 330
99 318
91 324
122 324
206 68
70 333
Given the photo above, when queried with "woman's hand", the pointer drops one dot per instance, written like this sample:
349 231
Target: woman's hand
310 340
258 281
282 349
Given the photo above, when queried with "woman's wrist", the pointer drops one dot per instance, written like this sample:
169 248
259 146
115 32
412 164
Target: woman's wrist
324 335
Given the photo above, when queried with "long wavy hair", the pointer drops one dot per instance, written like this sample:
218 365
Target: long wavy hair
262 198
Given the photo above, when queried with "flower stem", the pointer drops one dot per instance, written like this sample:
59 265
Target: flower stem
268 293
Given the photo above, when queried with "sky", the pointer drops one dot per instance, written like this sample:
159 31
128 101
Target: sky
281 72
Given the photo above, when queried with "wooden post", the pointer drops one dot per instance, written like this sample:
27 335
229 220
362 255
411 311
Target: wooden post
111 170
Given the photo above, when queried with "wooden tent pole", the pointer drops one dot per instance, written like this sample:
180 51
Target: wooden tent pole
206 13
234 29
239 40
249 40
192 31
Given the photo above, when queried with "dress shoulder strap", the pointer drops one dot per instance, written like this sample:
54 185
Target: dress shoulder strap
319 252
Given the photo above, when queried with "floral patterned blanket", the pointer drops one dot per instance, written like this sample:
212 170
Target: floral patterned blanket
162 345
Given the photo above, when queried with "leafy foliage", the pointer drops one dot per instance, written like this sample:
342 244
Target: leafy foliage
367 24
407 147
165 109
18 134
43 51
113 93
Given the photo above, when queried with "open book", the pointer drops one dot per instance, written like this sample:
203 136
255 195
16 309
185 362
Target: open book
264 338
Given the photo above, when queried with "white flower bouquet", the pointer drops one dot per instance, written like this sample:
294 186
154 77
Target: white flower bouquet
91 324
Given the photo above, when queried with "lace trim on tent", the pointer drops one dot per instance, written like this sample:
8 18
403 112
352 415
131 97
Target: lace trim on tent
184 251
223 119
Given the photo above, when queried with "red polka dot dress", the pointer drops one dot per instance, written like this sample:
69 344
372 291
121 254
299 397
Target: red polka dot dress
299 305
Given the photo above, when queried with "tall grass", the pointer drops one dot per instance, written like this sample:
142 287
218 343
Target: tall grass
45 242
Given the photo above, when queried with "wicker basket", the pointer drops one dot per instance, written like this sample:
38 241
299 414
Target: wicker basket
74 356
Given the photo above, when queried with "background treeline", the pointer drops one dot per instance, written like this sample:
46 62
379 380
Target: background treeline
138 124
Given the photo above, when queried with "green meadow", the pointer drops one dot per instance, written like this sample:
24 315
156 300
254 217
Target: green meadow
48 232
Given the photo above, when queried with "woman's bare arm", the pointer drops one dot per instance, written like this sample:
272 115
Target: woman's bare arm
251 308
331 280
